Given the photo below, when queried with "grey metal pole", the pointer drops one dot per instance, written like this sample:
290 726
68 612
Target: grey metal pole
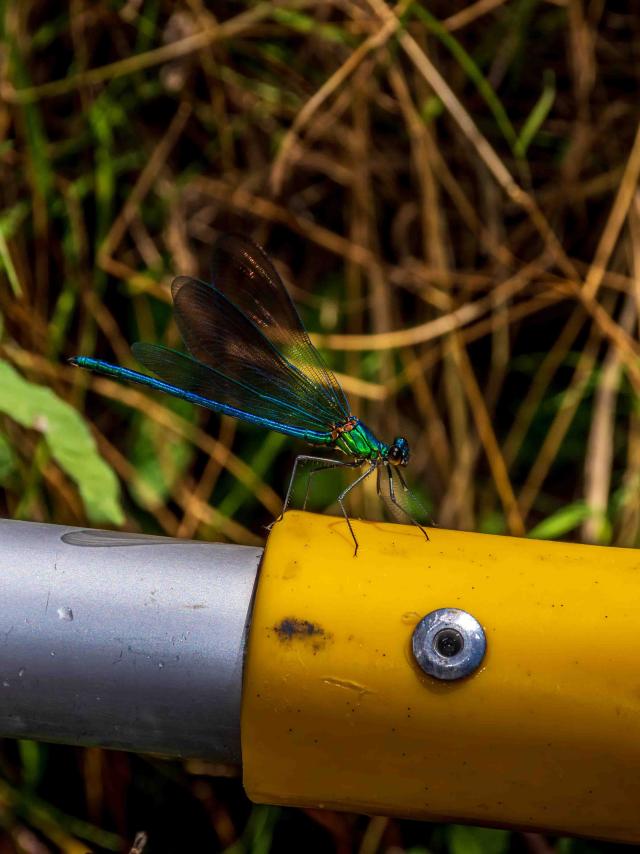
123 640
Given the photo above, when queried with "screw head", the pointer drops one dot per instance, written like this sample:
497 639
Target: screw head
449 643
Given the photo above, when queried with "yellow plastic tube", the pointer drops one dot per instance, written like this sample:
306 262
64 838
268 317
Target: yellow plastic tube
545 734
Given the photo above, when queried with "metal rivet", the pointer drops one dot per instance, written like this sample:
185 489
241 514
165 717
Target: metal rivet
449 643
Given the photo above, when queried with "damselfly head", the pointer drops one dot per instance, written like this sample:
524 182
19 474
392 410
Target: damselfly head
399 452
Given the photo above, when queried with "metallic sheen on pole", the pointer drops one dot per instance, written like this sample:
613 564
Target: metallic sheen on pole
123 640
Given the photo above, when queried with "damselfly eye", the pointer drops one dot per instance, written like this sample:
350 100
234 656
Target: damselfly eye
399 452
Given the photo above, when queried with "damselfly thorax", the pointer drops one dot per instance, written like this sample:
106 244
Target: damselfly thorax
357 441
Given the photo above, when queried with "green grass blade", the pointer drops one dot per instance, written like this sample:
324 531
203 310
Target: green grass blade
537 116
260 465
10 270
472 70
463 839
561 522
7 459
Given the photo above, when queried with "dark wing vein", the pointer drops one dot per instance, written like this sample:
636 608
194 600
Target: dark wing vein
245 275
220 336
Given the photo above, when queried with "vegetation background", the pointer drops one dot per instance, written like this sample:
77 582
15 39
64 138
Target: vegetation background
450 191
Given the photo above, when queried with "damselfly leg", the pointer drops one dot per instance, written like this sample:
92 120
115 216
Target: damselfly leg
328 464
344 494
396 503
402 481
326 467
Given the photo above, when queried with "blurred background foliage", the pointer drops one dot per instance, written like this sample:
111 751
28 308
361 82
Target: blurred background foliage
450 192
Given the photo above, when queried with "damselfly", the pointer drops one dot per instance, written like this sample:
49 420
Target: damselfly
248 355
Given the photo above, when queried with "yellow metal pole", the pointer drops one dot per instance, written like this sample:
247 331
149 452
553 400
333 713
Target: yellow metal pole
337 713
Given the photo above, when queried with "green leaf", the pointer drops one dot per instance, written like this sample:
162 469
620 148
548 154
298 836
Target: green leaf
561 522
477 840
68 439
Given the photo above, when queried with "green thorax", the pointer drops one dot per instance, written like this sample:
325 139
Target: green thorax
360 443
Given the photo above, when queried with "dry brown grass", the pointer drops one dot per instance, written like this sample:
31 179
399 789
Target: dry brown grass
451 194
